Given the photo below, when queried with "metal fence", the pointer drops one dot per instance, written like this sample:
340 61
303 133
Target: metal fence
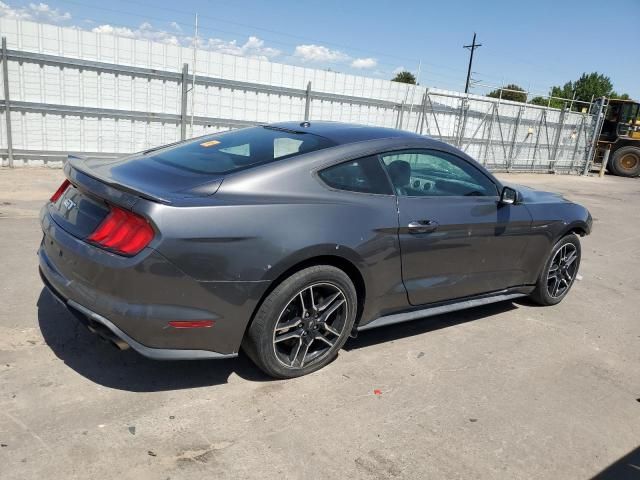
510 136
59 104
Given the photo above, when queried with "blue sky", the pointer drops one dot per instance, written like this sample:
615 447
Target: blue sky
534 44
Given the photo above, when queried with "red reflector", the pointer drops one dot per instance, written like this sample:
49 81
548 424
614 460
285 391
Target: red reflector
191 324
61 189
122 232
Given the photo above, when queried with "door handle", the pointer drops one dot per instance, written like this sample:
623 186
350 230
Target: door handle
422 226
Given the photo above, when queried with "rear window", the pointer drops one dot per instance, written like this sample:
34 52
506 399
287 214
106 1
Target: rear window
236 150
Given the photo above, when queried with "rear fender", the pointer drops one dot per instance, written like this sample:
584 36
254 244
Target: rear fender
322 250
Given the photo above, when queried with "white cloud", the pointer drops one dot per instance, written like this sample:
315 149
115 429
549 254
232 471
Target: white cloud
37 12
42 11
319 53
364 63
120 31
144 31
252 48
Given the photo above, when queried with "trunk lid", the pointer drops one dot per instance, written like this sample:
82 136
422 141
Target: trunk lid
151 180
78 213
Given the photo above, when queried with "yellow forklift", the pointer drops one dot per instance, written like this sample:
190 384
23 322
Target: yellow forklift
621 134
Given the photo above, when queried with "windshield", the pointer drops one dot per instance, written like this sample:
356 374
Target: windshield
227 152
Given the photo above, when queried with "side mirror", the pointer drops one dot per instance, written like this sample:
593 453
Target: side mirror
508 196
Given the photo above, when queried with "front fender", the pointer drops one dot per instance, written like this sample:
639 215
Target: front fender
582 225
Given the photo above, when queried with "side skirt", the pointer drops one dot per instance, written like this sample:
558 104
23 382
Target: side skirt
495 297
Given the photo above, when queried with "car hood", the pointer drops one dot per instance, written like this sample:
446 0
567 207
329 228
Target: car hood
530 195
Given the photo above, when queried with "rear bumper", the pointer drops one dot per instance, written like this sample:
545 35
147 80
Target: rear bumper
130 300
104 328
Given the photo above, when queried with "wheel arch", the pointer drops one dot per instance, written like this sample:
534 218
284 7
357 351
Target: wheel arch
347 265
579 227
579 230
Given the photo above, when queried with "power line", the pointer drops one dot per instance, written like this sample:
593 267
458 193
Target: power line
217 31
435 70
228 21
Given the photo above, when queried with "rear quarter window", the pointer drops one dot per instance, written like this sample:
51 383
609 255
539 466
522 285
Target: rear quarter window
364 175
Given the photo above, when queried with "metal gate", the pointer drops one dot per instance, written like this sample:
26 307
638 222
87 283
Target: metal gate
508 136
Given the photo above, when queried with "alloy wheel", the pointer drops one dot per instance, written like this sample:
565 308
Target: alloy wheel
310 325
562 270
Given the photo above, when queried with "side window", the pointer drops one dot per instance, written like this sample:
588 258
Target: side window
630 112
285 146
613 112
431 173
243 150
364 175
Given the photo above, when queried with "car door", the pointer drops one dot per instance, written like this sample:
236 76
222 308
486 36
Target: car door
456 238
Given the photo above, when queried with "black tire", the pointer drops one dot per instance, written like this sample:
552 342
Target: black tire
625 162
289 299
608 168
546 292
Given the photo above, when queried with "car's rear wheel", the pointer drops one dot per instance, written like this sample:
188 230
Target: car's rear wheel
303 322
559 272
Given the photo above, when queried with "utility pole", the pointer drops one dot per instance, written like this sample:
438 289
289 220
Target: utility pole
471 48
193 80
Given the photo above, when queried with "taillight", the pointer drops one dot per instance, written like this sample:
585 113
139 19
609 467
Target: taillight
61 189
122 232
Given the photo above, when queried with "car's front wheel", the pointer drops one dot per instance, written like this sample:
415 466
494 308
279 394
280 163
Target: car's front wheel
303 322
559 272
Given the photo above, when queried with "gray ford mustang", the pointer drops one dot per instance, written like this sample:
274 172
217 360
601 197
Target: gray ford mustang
286 239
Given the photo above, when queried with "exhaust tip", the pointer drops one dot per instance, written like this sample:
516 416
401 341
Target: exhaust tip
105 334
120 344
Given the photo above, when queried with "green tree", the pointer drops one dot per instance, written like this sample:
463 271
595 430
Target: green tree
512 92
539 101
405 77
588 86
621 96
592 85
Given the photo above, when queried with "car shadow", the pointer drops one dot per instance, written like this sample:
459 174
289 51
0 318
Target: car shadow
527 302
626 468
425 325
102 363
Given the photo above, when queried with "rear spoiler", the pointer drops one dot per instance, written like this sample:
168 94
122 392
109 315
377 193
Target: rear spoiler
76 164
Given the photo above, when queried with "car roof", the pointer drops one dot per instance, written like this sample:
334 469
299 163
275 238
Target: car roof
344 133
